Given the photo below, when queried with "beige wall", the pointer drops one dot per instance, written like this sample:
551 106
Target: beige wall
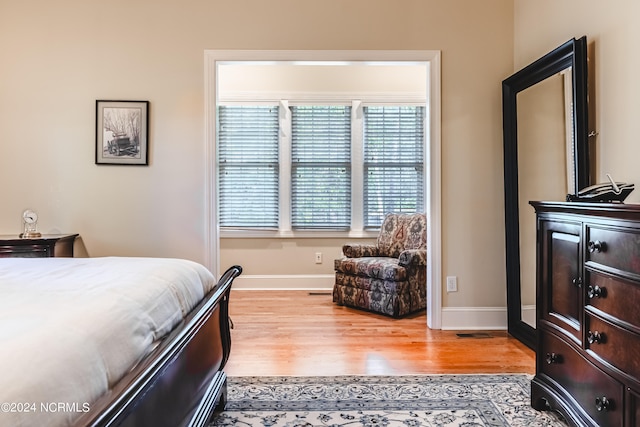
59 57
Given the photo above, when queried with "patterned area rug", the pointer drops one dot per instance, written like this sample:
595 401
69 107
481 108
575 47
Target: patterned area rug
370 401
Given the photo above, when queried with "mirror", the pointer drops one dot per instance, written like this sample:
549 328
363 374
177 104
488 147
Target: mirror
546 157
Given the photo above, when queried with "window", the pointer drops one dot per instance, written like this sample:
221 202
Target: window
393 161
248 167
294 168
321 167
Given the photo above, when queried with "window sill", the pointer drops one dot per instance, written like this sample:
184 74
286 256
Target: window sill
254 234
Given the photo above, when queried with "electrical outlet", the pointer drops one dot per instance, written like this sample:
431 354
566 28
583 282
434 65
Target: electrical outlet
318 257
452 284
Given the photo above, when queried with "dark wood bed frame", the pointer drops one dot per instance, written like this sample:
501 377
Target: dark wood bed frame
181 382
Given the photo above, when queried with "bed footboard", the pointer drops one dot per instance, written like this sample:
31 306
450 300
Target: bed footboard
181 382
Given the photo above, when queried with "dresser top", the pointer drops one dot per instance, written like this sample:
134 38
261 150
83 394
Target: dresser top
618 210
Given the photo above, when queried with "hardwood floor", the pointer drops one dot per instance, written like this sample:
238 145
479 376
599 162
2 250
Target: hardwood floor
302 334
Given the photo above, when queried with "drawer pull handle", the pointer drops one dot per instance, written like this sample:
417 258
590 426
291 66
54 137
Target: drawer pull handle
553 358
577 282
603 404
596 292
597 246
595 337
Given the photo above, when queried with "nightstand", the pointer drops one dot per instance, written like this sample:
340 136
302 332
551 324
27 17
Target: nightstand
48 245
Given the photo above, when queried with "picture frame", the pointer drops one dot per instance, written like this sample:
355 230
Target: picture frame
122 133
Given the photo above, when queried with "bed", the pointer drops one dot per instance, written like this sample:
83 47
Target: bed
112 341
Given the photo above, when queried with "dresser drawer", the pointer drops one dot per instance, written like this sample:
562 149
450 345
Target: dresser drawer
613 344
31 251
615 248
596 392
615 297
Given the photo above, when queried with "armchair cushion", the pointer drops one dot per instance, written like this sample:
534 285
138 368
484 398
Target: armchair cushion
399 232
375 267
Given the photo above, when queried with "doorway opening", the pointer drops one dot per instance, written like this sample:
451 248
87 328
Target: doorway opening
430 60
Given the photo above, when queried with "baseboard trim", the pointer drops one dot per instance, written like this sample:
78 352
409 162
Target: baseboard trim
474 318
284 282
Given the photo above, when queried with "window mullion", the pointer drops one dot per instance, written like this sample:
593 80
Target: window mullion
357 166
285 166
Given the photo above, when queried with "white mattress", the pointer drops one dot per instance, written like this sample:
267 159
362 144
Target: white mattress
70 328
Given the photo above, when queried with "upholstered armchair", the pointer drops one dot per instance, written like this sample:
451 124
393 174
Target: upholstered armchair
390 276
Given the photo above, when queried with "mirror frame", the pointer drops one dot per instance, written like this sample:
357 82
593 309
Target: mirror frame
571 54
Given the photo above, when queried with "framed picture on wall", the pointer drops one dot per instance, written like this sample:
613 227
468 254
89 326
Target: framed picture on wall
122 132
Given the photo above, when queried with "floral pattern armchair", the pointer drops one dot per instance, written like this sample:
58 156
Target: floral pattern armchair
390 276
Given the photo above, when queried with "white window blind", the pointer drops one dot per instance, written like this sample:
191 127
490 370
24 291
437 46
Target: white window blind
248 168
321 167
393 161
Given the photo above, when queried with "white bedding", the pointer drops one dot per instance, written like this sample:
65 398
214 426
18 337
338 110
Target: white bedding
70 328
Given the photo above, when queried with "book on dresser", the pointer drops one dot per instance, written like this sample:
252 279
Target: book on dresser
588 312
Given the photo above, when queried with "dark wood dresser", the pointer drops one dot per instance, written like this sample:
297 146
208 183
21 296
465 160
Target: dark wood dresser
48 245
588 309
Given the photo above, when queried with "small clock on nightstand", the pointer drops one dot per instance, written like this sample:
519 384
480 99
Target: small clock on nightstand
30 223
